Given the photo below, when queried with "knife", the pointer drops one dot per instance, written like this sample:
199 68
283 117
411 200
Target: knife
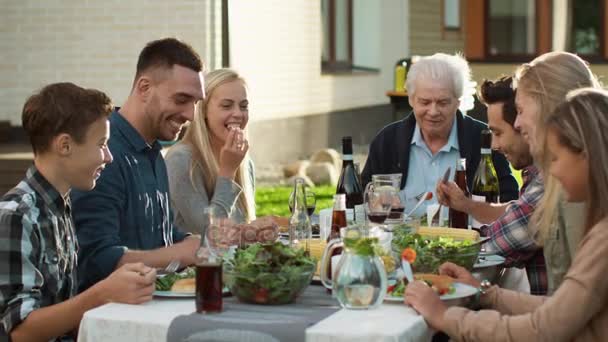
407 270
444 180
446 175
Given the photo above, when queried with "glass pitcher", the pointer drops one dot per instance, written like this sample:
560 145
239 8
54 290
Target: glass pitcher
359 279
394 180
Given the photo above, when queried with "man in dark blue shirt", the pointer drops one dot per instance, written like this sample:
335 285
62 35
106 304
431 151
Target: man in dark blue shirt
127 217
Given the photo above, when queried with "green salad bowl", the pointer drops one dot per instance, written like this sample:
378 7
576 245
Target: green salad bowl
269 274
432 252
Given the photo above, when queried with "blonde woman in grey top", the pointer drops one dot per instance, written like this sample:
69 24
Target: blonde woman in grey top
210 164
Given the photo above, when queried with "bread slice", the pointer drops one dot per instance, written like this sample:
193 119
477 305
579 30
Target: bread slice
441 283
187 285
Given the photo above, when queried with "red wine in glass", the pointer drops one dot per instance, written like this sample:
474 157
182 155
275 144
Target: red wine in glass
377 216
309 210
396 213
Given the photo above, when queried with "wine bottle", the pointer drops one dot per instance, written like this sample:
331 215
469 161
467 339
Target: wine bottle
485 183
459 219
349 182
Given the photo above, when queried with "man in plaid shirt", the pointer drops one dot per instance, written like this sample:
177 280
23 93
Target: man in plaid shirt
507 224
68 129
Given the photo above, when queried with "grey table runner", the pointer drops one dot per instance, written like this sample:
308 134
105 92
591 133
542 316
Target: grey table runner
256 323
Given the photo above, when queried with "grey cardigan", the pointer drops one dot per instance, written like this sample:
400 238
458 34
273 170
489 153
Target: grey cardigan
188 202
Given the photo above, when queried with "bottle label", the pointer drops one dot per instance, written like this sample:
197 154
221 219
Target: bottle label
347 157
474 223
486 151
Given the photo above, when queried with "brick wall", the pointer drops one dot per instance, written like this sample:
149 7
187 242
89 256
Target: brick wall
93 43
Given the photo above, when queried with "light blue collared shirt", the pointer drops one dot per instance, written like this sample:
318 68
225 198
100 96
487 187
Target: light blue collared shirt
425 170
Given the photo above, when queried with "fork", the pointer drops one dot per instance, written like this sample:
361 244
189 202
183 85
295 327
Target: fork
171 268
419 196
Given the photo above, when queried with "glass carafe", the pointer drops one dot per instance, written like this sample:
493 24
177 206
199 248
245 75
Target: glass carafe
359 279
393 180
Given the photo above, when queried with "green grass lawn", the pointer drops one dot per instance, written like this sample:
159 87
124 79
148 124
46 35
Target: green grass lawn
272 200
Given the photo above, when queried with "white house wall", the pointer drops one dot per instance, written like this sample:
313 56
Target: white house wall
276 46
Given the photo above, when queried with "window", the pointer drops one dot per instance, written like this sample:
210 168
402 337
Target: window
511 27
586 27
451 14
337 23
519 30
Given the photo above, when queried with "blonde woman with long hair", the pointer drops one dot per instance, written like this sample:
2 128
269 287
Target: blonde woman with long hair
578 310
541 85
210 165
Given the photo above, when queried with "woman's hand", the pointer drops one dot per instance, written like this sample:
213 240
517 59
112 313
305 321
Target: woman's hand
234 150
426 302
460 274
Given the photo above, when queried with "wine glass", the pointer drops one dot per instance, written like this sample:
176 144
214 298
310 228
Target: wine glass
311 202
378 201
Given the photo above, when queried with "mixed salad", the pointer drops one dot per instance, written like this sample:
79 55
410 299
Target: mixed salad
164 283
271 273
431 252
397 289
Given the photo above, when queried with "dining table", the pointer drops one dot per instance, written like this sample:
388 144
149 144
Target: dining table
174 319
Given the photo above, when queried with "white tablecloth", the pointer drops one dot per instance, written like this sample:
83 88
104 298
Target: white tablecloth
150 322
390 322
134 323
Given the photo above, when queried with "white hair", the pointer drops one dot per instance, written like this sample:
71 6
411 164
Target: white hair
448 69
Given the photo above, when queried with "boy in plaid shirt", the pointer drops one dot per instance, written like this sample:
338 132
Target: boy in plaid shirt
68 129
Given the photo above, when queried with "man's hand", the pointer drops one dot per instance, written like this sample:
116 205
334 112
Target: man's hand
129 284
460 274
187 250
450 195
232 153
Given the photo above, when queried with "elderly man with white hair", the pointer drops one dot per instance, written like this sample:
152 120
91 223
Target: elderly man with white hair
435 135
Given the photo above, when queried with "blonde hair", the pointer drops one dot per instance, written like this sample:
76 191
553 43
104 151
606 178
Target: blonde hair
198 138
547 79
580 124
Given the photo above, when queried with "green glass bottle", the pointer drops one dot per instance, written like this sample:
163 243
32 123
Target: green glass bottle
485 183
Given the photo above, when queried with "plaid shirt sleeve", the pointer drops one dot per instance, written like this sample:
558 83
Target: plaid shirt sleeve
20 279
510 236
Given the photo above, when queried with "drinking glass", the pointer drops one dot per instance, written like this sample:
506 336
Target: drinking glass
378 201
394 180
220 238
311 202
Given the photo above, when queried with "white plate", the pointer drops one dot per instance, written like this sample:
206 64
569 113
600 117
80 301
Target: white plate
489 261
171 294
461 291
